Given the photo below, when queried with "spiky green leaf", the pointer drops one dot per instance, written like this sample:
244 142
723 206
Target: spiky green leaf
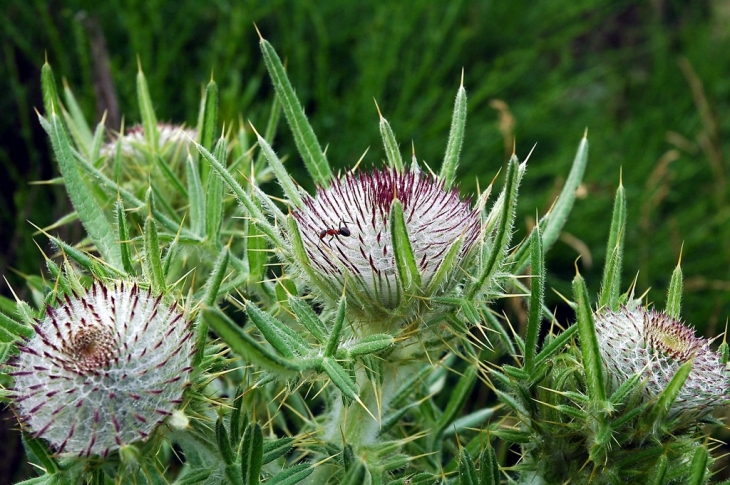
674 295
537 263
278 334
611 283
456 139
406 266
592 361
335 335
392 152
147 111
87 207
252 454
304 137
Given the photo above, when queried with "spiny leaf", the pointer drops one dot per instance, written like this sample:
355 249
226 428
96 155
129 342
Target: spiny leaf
456 138
304 137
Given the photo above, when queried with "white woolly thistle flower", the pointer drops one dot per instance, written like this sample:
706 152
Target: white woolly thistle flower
170 138
103 369
654 345
388 238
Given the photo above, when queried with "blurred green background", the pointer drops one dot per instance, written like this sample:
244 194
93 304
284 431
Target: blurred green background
650 81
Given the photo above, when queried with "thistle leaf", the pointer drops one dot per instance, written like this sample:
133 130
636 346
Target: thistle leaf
592 361
611 283
467 471
214 196
536 298
334 338
279 335
408 275
147 111
304 137
252 452
392 152
674 295
456 138
88 209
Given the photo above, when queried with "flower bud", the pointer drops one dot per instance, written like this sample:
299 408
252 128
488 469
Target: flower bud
103 370
654 345
347 231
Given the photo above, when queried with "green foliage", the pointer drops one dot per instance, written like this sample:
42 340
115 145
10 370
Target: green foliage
414 402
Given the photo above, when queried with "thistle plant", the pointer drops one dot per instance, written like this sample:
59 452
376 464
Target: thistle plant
208 331
102 369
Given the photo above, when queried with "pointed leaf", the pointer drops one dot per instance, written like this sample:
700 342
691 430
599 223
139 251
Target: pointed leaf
88 209
456 139
48 86
405 261
625 389
555 345
238 416
592 361
276 449
245 346
698 467
279 335
76 122
224 445
252 452
304 137
666 398
308 318
340 378
170 177
196 197
214 196
334 338
371 344
14 328
97 142
537 291
467 472
392 152
124 241
674 295
504 229
488 466
457 398
153 258
147 111
300 253
44 456
211 288
552 224
611 283
291 476
210 116
446 268
254 212
287 183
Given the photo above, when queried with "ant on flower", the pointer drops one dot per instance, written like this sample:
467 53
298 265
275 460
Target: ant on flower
342 230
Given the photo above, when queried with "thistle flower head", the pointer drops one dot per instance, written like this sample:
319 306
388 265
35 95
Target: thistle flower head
103 370
170 138
347 233
655 345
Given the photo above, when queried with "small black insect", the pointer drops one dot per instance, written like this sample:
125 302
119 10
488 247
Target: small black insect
342 230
